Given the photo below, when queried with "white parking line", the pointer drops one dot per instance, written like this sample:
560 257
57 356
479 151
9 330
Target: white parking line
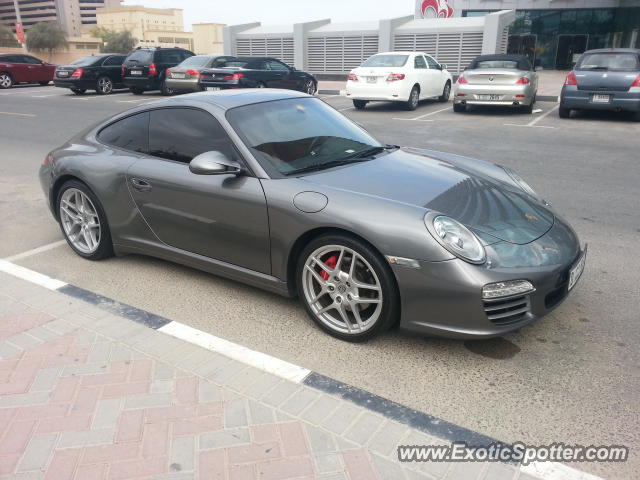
345 109
420 117
533 122
556 471
30 275
18 114
35 251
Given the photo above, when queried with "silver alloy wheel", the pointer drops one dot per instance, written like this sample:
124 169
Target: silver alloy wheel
5 81
105 85
346 296
310 87
80 221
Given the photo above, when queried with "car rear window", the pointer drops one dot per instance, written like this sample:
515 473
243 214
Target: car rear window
197 61
496 64
234 63
609 61
86 61
141 56
386 61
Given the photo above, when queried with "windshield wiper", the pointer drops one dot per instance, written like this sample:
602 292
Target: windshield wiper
355 157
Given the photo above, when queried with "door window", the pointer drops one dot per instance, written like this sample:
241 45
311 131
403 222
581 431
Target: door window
275 65
131 133
182 133
419 62
32 60
113 61
170 56
433 64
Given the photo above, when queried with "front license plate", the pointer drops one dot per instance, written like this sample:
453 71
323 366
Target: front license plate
212 89
577 269
372 79
136 72
596 98
177 75
489 97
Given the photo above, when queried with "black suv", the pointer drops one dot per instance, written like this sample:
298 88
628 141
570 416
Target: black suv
95 72
145 67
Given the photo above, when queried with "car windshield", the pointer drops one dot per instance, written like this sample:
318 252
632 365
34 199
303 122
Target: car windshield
386 61
195 61
86 61
140 56
301 134
495 64
609 61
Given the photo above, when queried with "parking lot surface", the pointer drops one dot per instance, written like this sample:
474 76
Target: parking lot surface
572 377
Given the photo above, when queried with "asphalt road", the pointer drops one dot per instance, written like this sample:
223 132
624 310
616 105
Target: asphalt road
571 377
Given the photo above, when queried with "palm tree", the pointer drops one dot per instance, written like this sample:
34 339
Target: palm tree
46 37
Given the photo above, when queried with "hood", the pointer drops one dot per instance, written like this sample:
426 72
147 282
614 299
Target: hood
496 210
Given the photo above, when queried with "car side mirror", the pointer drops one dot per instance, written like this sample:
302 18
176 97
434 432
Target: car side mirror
214 163
443 66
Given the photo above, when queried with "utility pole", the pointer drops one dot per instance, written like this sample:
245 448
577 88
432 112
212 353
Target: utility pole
19 28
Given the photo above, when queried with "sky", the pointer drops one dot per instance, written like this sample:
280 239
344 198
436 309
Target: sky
280 12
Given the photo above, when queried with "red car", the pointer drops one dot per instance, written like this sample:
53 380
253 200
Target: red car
20 68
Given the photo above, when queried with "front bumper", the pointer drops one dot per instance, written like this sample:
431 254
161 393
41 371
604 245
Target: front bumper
183 85
444 299
507 95
386 92
572 97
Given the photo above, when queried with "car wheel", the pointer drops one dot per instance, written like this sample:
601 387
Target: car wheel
310 87
78 91
104 86
5 80
261 85
564 112
360 104
347 288
83 221
44 83
446 93
136 91
414 99
166 91
459 108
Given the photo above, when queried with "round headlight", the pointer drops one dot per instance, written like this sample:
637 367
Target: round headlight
458 239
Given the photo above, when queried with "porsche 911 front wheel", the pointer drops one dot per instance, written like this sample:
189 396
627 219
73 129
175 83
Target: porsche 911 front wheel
347 288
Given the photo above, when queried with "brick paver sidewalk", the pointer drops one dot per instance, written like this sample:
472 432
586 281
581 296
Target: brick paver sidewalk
85 394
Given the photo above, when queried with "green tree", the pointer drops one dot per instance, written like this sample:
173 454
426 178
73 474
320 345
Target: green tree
46 37
114 42
7 38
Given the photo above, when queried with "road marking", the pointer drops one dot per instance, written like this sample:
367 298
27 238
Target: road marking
420 117
30 275
556 471
412 119
35 251
262 361
137 101
18 114
345 109
533 122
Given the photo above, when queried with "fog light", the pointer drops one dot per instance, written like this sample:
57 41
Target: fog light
506 289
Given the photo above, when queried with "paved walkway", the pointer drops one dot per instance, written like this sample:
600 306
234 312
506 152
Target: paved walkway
86 394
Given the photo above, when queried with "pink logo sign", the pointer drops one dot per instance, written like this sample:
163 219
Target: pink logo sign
436 9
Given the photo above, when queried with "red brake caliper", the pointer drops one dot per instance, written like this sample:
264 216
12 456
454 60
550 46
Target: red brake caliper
330 262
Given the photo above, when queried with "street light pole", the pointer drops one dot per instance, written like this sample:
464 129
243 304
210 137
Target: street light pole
19 26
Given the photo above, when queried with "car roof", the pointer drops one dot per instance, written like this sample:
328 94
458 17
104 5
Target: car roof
614 50
253 59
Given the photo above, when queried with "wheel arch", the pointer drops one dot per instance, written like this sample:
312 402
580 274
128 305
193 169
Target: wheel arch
57 185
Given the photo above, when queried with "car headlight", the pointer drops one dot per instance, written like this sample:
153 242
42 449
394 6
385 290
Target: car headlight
458 239
522 184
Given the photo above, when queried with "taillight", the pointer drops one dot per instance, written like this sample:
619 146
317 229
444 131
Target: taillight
201 76
636 82
393 77
77 73
192 72
168 73
235 76
352 77
571 79
462 80
122 69
523 81
47 160
152 69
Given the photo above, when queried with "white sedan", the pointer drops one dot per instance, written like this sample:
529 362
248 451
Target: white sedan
406 77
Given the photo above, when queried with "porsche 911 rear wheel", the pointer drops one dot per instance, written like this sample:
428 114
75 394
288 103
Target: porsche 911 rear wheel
347 288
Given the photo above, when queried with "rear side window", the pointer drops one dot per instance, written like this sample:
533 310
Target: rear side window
432 63
182 133
419 62
170 56
131 133
87 61
609 61
141 56
111 61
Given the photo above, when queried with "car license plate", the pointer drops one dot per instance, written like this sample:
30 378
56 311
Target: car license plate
136 72
600 98
489 97
63 74
577 269
177 75
372 79
212 89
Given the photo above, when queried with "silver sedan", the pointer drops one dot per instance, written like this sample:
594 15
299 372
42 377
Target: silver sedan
184 77
503 80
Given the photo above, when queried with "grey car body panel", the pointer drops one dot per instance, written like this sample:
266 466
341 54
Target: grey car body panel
249 227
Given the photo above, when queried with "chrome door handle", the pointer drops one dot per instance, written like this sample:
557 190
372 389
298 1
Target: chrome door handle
141 185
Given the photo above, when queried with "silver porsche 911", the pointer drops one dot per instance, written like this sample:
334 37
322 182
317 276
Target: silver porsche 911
498 80
278 190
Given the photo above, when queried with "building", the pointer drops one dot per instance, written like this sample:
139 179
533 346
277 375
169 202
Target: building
333 49
152 27
207 37
75 16
553 33
76 47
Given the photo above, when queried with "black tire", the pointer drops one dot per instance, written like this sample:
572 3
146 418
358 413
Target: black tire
261 85
104 85
446 93
528 109
44 83
79 91
6 81
390 309
136 90
105 245
459 108
360 104
564 112
166 91
414 99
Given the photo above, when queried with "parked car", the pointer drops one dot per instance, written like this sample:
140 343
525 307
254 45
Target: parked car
406 77
497 80
184 76
145 67
101 72
603 79
20 68
279 190
257 72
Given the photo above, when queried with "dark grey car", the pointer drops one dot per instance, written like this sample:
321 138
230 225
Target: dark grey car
278 190
604 79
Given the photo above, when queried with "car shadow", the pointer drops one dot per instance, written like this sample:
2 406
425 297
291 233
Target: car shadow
603 115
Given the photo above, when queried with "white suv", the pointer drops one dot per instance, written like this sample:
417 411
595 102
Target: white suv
406 77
